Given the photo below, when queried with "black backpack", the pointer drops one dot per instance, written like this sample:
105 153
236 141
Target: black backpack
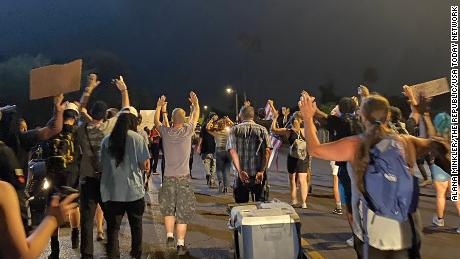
59 152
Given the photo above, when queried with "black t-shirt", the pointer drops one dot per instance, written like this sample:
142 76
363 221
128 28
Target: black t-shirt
339 128
27 141
10 170
208 145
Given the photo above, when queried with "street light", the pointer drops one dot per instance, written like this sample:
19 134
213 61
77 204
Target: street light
230 91
205 107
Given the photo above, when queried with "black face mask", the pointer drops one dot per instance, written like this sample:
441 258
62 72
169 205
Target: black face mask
67 128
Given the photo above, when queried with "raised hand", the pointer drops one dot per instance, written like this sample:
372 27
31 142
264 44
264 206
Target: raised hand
307 105
161 102
193 99
275 114
164 107
92 82
59 105
363 91
409 93
120 83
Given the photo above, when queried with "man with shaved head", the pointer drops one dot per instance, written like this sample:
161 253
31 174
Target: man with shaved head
176 196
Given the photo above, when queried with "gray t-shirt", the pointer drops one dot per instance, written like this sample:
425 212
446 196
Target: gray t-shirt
176 148
124 183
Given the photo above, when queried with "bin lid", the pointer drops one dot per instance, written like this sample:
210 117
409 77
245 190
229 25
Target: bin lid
264 217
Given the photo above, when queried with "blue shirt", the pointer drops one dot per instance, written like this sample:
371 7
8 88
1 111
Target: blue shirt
125 182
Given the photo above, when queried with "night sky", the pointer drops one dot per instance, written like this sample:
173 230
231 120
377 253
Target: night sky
268 48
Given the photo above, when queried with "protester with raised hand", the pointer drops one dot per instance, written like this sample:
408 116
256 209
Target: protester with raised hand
440 129
417 127
381 236
298 166
22 143
206 147
15 243
220 130
89 137
176 196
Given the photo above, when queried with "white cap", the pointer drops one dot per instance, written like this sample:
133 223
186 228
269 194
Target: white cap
71 106
130 110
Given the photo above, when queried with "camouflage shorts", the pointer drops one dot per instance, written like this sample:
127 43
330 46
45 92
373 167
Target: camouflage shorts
177 198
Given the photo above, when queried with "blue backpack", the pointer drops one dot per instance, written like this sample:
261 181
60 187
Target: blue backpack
391 190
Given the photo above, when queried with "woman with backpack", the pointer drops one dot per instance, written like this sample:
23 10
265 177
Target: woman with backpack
298 166
391 233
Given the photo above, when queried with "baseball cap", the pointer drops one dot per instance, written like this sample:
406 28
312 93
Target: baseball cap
130 110
71 106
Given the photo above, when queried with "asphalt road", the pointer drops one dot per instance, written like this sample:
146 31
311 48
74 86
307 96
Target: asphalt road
323 233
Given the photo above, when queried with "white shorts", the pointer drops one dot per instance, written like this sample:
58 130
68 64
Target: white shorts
335 169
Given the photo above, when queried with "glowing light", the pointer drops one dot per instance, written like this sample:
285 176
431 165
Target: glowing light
205 107
46 185
229 90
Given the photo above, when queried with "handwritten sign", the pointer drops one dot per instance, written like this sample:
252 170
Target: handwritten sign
432 88
55 79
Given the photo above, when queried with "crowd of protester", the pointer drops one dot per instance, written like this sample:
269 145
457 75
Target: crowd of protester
100 156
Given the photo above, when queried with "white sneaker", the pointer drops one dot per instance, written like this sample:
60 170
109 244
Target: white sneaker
294 203
351 242
458 230
438 222
304 206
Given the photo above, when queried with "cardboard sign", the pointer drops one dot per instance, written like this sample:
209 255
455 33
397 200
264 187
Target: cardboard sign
432 88
148 119
55 79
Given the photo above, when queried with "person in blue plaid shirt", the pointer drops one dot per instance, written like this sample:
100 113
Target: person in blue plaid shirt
249 146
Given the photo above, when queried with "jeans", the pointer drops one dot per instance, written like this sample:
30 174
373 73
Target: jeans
90 197
223 165
113 214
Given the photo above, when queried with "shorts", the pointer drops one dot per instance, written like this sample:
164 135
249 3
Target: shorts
177 199
438 175
335 168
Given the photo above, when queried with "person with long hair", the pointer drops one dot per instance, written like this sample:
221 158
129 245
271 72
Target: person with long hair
124 156
297 168
90 134
388 238
220 130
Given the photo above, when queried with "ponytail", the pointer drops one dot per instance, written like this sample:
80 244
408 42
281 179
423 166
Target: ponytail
371 137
